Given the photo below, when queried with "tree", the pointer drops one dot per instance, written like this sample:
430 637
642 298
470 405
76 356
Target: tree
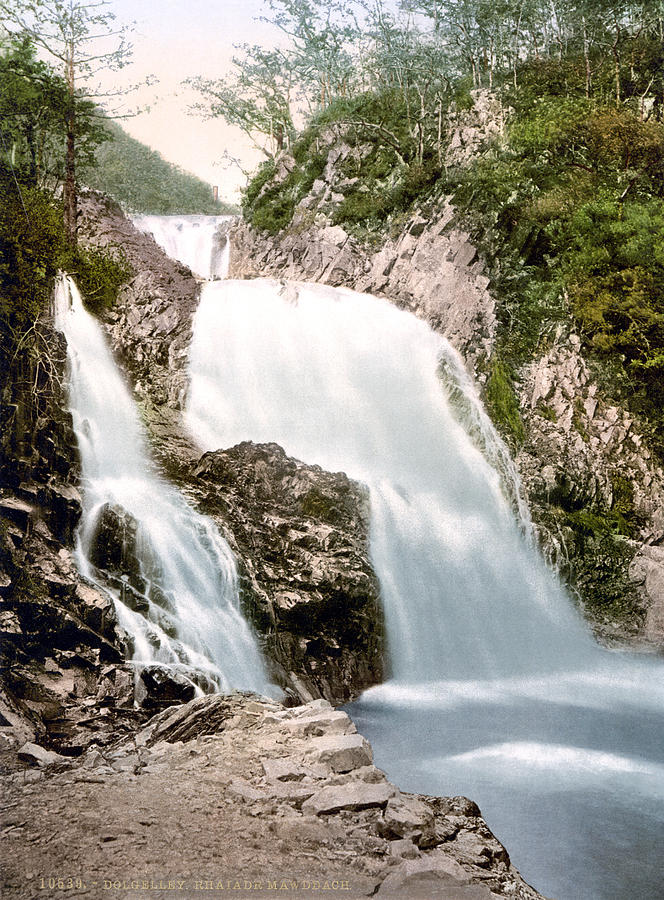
33 105
315 67
256 98
322 36
75 33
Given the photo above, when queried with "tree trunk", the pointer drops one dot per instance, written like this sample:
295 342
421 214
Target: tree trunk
616 64
70 200
586 56
32 149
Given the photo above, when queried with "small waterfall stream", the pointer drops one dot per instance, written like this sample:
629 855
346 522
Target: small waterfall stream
184 614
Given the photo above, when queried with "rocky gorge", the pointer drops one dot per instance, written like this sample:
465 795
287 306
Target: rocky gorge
301 538
296 787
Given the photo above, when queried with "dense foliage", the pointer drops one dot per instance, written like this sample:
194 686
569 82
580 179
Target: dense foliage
33 109
142 181
570 212
567 206
34 239
33 247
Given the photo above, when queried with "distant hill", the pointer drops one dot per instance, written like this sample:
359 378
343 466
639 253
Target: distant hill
142 181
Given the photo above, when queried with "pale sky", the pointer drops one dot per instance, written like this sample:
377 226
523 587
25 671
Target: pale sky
174 40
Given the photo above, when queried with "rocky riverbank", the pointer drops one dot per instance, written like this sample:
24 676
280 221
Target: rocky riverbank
240 795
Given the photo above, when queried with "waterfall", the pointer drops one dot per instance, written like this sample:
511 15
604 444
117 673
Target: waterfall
497 689
193 240
183 613
351 383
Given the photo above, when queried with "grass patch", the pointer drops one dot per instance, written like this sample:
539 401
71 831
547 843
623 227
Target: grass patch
502 402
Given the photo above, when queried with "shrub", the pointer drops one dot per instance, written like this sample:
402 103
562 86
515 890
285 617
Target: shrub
99 275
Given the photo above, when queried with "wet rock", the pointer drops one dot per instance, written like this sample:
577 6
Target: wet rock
113 546
61 504
163 688
301 535
17 511
647 570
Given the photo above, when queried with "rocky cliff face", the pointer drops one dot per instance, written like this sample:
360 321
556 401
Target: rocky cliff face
301 535
150 326
595 491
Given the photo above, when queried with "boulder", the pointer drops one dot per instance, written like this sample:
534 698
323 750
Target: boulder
406 817
320 723
164 687
39 756
301 537
354 795
341 753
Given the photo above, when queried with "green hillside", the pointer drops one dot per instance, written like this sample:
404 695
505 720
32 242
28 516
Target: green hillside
142 181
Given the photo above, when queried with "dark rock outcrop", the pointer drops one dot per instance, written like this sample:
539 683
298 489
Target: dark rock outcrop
301 535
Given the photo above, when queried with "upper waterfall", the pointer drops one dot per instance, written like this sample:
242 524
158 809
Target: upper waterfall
193 240
186 615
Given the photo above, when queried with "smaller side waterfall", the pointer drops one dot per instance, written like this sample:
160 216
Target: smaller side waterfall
193 240
181 608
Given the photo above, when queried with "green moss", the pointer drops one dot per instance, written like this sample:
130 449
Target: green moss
598 523
569 215
579 419
502 403
264 173
320 506
271 207
546 411
360 206
597 561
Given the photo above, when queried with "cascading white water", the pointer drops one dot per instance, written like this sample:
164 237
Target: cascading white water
497 689
187 616
193 240
350 382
